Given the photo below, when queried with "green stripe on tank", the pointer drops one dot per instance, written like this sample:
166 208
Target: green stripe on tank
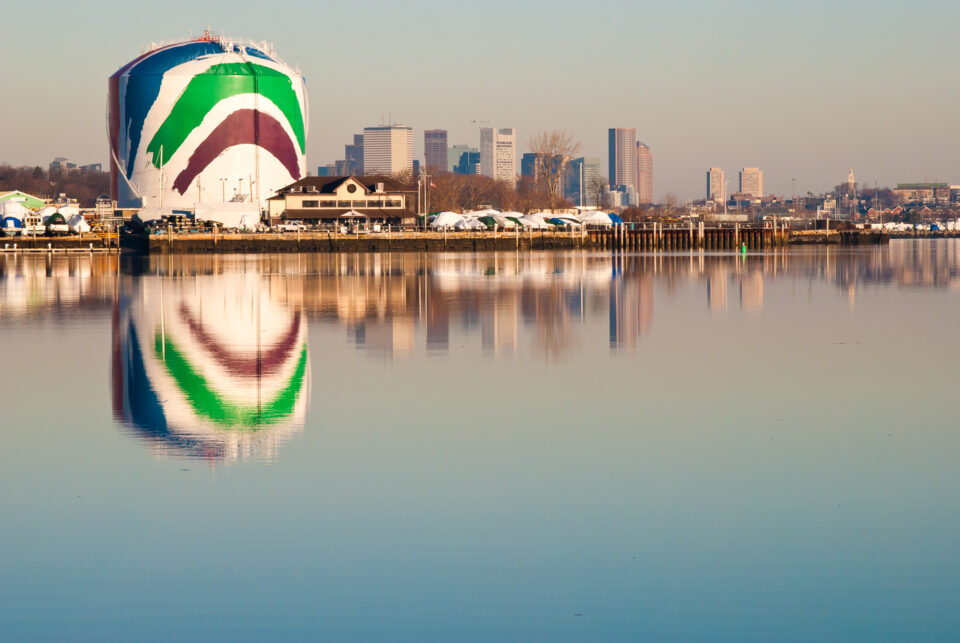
217 83
208 404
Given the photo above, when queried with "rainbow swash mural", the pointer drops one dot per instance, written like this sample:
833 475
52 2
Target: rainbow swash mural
209 366
204 120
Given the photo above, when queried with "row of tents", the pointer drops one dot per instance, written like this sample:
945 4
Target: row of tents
494 219
17 219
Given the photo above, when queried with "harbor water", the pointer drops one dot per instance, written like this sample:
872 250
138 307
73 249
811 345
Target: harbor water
562 446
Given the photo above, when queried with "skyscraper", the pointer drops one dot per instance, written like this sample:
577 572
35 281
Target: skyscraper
644 173
387 149
582 181
751 182
498 153
454 154
435 149
715 187
623 157
353 157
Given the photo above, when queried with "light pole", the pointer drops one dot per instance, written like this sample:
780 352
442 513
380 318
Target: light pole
726 186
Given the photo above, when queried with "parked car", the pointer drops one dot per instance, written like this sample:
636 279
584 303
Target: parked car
291 226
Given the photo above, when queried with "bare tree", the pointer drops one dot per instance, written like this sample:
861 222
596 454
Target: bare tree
671 201
553 150
597 189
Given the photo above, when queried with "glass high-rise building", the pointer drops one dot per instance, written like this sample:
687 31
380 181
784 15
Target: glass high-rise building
435 150
623 157
498 153
644 174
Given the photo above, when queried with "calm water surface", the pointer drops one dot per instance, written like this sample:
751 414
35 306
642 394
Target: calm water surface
482 447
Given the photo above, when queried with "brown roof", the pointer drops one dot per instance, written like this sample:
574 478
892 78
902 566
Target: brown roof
327 184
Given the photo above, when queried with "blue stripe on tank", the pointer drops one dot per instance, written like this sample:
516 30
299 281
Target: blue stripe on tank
143 85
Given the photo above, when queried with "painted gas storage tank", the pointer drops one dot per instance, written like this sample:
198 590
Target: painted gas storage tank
225 121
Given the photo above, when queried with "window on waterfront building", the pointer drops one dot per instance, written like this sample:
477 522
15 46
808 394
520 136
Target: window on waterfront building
311 204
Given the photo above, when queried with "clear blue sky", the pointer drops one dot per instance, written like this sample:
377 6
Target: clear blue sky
801 89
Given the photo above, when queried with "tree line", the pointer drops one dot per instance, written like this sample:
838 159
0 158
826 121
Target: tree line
41 183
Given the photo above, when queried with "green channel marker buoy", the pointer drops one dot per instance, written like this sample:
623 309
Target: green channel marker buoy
743 248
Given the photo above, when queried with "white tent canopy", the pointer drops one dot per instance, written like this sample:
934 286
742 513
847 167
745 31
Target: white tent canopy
446 220
68 211
14 209
78 224
470 223
596 217
232 214
534 222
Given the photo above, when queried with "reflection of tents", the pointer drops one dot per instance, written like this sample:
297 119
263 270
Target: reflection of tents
78 224
446 220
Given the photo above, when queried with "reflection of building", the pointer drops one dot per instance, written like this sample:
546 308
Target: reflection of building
717 288
499 326
751 291
631 306
209 366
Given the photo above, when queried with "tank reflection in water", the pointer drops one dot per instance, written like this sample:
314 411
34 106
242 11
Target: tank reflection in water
209 366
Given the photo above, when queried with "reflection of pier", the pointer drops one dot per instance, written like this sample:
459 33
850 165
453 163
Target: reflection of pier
509 303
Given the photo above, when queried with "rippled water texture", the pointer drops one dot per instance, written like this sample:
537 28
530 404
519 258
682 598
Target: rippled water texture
392 447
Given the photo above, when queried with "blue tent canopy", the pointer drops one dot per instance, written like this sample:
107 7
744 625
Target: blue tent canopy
613 217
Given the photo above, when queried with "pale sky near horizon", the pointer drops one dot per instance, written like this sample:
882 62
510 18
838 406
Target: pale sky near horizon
803 90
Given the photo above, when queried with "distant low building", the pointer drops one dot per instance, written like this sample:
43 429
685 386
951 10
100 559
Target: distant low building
923 193
332 199
29 201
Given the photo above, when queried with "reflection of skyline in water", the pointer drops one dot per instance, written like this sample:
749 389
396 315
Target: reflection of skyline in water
507 303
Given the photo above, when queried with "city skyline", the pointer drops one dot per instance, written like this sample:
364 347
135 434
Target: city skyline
814 108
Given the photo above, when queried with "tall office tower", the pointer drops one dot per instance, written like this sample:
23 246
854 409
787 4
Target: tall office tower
644 173
751 182
715 187
498 153
581 184
529 166
387 149
623 157
435 150
454 154
468 163
353 157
